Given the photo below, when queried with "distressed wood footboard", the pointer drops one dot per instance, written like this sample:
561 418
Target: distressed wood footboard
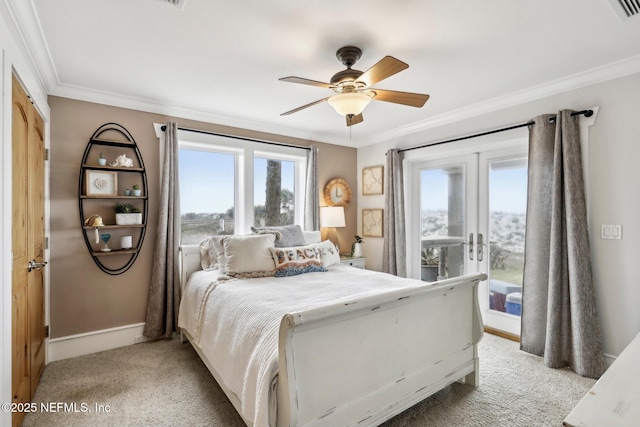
360 363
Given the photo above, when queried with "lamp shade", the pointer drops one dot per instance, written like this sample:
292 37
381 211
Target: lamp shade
332 216
349 103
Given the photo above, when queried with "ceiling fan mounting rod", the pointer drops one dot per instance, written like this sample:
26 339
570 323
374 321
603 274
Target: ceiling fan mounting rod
348 55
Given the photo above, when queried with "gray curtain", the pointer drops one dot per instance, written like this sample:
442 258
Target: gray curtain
312 199
559 317
394 251
164 289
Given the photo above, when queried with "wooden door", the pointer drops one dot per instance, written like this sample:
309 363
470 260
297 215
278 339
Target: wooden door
28 328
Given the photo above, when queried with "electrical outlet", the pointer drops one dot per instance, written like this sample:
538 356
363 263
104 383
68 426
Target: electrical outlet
611 231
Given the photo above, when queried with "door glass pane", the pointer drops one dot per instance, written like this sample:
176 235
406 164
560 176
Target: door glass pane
207 194
273 189
507 215
442 219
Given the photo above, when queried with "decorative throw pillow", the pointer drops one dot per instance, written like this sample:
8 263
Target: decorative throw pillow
290 235
311 237
329 253
218 245
205 257
296 260
209 253
248 254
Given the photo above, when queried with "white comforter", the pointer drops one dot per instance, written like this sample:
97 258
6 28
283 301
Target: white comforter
236 323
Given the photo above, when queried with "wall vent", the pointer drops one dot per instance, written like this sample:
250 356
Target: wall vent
625 9
180 3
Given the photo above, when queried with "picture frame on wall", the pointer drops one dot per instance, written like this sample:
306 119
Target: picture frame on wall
372 180
99 183
372 224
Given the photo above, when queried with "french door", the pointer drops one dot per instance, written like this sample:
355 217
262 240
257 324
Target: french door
471 218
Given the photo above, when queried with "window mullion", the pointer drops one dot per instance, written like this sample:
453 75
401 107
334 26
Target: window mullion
245 190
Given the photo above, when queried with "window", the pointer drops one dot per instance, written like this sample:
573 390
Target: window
227 185
274 195
205 212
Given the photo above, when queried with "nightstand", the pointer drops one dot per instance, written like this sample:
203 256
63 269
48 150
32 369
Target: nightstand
357 262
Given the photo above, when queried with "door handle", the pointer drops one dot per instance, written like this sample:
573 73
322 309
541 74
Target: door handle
470 243
33 265
480 247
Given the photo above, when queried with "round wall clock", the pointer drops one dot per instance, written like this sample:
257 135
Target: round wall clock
337 192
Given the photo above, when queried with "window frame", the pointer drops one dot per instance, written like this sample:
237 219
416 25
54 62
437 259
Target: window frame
245 152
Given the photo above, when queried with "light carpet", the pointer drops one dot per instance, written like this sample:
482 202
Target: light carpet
164 383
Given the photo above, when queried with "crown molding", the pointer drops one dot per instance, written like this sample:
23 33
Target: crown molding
579 80
33 42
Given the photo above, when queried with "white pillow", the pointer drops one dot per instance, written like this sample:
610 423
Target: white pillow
210 249
218 245
329 253
311 237
248 254
208 254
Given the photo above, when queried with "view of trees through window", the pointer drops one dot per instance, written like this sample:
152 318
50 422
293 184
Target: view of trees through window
208 193
274 198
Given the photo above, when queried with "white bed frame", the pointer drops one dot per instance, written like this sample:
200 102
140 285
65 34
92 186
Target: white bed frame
362 363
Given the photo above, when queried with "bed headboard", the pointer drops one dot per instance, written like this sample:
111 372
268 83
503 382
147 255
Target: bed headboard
189 262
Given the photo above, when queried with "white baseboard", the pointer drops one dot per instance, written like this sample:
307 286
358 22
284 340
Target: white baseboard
93 342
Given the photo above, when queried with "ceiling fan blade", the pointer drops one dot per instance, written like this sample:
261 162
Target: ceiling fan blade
292 79
354 120
386 67
404 98
295 110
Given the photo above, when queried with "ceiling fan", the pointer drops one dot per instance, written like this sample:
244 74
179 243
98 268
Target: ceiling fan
353 91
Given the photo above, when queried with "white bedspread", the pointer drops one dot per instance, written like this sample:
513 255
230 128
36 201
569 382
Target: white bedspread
236 323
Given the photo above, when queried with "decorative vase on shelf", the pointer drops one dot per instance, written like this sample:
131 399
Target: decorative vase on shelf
127 192
101 160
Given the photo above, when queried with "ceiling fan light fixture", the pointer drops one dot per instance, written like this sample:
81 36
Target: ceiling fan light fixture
351 103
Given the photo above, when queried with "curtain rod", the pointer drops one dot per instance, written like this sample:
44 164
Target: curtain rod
587 113
280 144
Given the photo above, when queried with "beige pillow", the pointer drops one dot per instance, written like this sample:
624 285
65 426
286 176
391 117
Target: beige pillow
218 244
208 254
248 254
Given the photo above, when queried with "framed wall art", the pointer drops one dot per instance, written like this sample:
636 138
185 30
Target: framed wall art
372 222
372 180
98 183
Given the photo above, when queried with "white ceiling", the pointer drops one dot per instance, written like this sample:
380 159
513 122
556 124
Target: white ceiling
219 61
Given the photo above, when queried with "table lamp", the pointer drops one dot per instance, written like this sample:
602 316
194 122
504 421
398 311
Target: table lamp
330 218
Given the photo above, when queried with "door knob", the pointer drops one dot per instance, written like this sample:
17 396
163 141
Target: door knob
33 265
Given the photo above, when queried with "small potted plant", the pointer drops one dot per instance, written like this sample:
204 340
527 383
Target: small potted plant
102 160
356 247
136 190
127 214
429 260
127 191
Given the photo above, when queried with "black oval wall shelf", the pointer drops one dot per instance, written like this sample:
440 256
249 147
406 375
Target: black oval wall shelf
102 183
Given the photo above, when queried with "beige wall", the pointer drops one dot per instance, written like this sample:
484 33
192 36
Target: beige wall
82 297
612 174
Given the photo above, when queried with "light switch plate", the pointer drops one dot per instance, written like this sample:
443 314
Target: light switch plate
611 231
